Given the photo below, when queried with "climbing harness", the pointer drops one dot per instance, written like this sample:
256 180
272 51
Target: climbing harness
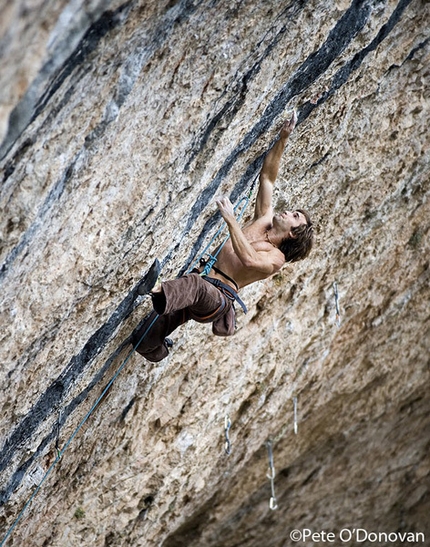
227 444
223 274
226 290
212 259
209 262
273 504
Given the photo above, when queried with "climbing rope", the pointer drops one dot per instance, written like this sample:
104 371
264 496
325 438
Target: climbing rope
73 435
245 200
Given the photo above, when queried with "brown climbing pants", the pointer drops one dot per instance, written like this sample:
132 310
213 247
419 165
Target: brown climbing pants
182 299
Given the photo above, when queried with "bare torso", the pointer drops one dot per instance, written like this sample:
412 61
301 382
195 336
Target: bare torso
250 255
229 263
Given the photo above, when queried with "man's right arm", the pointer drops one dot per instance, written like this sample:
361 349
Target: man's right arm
270 169
265 262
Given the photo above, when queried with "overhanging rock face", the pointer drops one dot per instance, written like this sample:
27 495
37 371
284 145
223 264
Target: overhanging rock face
120 123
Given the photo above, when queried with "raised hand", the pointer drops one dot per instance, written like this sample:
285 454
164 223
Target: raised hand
289 125
225 208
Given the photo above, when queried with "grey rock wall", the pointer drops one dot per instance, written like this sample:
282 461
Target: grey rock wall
120 122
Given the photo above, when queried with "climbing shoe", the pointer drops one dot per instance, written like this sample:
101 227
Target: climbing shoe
150 278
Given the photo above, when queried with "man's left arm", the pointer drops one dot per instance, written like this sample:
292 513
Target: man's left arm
269 171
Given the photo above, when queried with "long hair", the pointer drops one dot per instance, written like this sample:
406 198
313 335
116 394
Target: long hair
299 246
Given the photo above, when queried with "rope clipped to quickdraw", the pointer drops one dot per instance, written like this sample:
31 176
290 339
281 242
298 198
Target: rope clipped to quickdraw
287 425
273 504
295 414
227 426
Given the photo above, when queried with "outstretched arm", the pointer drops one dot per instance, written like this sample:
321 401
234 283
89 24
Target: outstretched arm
265 262
270 169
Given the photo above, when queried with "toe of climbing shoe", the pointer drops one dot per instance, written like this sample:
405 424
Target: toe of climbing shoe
150 279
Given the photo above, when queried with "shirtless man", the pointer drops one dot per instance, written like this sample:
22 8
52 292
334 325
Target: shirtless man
253 253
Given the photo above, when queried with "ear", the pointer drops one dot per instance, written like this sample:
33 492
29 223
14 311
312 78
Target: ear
292 235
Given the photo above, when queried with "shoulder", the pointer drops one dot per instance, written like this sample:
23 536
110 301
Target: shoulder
277 259
272 258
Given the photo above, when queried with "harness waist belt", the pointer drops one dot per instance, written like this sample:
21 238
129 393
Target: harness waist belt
204 262
218 271
231 293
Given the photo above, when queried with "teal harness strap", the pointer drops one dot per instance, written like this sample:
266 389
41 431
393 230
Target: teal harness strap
209 264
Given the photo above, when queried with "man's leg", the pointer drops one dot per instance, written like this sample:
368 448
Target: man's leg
189 291
151 334
178 301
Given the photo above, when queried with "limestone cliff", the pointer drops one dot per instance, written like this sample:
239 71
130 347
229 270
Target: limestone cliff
120 123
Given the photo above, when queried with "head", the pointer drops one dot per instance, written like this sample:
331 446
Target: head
298 244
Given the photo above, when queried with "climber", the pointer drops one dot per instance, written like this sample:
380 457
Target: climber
252 253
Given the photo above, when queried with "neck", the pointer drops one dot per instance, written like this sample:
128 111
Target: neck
272 238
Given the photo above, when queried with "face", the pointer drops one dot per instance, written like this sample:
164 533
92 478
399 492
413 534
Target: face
287 220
